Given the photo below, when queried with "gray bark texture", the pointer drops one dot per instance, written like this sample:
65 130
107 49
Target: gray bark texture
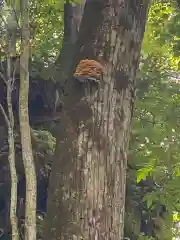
27 154
87 184
9 119
11 156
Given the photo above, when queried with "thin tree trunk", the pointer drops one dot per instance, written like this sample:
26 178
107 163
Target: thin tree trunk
87 186
9 119
13 173
27 154
11 157
12 25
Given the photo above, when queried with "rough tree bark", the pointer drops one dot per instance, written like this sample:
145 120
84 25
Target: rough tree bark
9 119
87 185
11 157
27 154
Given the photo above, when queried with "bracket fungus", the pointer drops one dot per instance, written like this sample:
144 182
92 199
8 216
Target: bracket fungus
89 70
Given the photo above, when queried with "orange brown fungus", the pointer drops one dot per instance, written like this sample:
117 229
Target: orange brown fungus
89 69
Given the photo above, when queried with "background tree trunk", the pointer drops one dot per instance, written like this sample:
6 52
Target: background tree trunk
72 21
9 120
27 154
11 157
87 185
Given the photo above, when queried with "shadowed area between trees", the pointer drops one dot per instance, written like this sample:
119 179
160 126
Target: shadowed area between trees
44 106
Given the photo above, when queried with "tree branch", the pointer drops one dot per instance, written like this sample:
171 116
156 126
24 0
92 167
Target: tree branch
5 115
72 21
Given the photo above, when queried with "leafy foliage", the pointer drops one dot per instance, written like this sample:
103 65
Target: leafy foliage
47 26
156 131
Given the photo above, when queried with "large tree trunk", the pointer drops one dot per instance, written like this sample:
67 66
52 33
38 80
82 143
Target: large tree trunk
87 185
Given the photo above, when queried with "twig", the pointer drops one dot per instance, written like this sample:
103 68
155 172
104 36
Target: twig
2 67
16 17
5 115
3 77
14 71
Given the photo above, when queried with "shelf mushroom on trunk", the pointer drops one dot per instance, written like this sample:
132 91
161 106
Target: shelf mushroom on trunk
89 71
